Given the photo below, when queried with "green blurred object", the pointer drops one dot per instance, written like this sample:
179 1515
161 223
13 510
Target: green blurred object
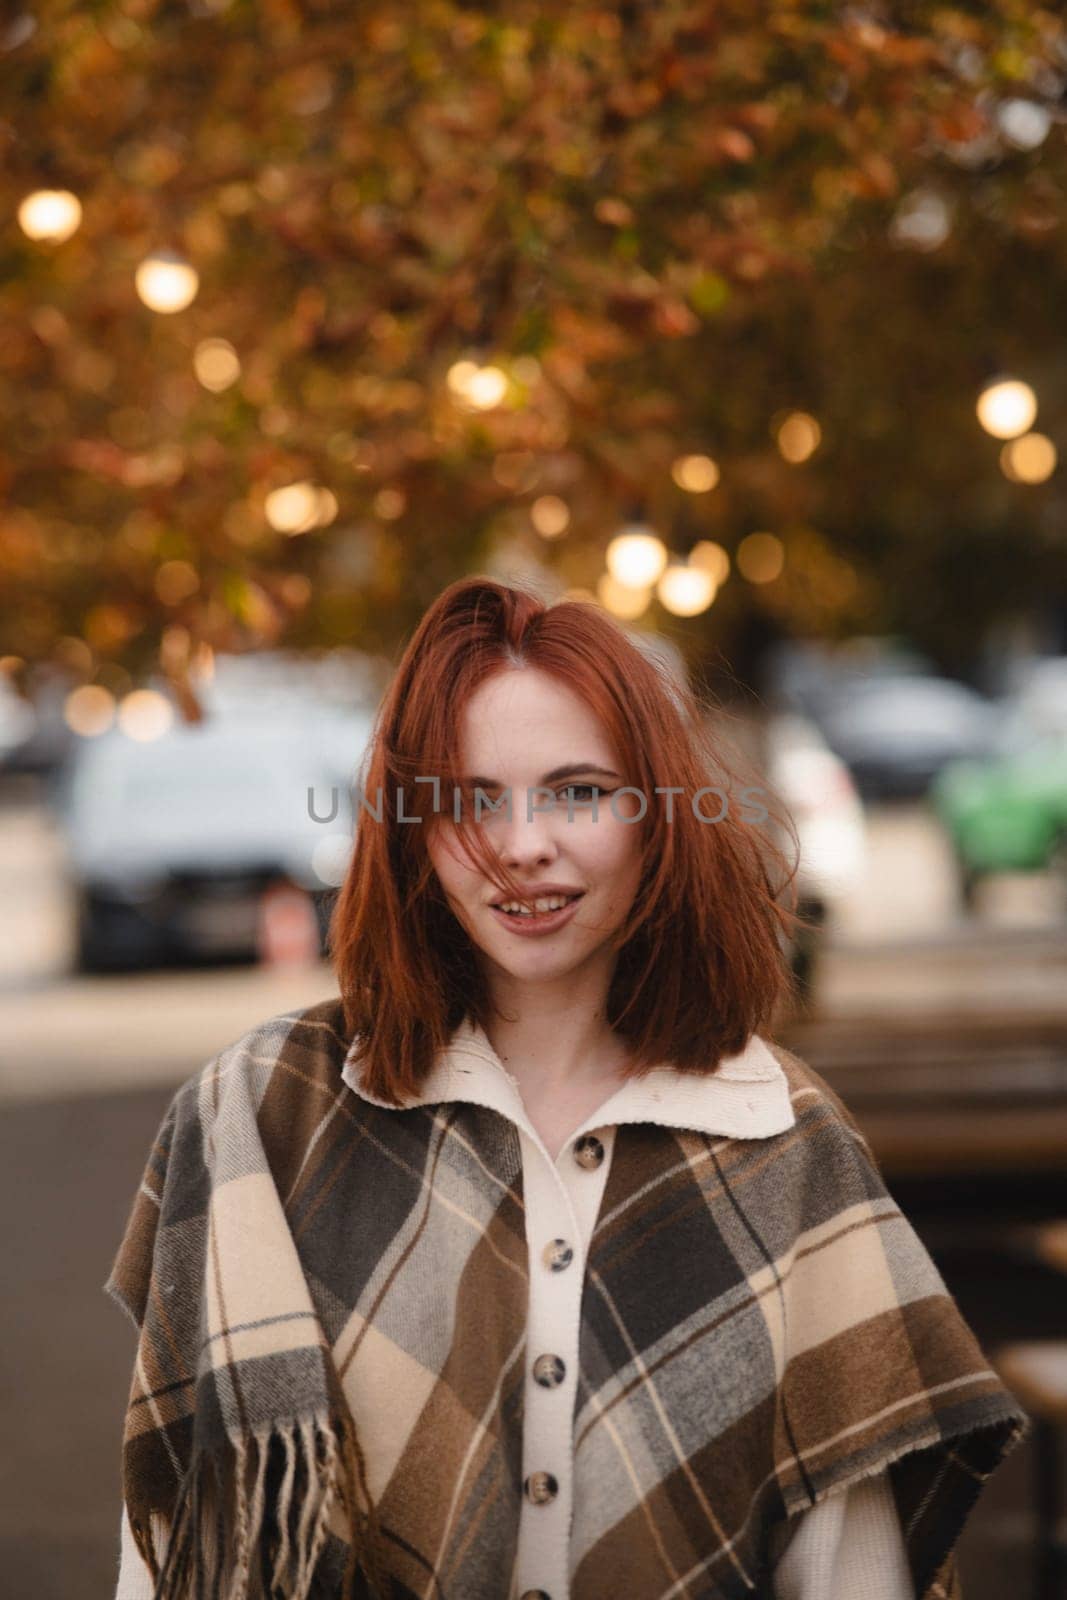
1007 814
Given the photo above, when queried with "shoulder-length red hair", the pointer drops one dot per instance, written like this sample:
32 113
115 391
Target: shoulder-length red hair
700 964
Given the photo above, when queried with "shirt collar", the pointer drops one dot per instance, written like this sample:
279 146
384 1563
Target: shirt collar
747 1096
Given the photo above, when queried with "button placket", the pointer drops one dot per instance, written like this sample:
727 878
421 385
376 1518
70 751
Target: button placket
566 1191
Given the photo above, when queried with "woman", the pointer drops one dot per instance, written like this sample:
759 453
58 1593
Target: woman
531 1267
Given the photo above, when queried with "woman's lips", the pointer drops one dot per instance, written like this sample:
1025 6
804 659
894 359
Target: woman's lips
538 923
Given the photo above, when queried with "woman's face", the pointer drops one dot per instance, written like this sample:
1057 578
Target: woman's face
522 731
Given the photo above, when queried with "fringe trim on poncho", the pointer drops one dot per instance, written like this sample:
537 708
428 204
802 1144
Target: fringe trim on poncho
209 1551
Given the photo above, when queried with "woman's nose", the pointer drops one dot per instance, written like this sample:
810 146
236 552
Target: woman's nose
524 836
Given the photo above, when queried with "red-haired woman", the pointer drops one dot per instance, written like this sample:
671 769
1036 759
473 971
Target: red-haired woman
531 1267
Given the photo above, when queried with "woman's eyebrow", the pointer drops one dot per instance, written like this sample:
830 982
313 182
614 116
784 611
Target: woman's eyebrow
569 771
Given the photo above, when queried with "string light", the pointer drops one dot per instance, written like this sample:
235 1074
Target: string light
636 557
1031 459
166 282
1006 408
50 214
686 591
798 437
297 507
479 387
696 474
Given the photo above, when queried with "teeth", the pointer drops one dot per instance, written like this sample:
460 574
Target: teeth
551 902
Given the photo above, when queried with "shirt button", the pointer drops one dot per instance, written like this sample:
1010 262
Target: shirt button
588 1151
541 1487
548 1371
557 1254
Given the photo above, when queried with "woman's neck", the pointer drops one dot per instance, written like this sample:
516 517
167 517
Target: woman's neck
554 1051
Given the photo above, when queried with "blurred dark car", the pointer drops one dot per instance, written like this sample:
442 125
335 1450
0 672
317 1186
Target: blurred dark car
173 842
810 676
34 736
895 734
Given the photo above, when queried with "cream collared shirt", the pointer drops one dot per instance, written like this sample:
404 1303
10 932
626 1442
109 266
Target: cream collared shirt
849 1546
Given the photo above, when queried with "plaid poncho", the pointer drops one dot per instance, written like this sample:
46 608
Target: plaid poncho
761 1327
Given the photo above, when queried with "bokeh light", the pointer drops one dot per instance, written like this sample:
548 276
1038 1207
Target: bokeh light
623 600
1023 123
710 555
685 591
922 220
798 437
636 557
297 507
550 516
166 283
760 557
144 715
1006 408
50 214
480 388
1030 459
89 710
696 474
216 364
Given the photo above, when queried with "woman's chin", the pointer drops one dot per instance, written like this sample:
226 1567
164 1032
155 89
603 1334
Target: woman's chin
539 964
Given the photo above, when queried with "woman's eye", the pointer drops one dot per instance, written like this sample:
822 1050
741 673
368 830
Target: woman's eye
582 793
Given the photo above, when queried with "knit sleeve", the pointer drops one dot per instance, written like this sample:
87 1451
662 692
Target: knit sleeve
846 1547
135 1580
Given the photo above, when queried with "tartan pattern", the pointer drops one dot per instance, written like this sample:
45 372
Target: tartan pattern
330 1299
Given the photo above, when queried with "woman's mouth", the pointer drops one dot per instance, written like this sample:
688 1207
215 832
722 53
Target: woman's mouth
558 909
